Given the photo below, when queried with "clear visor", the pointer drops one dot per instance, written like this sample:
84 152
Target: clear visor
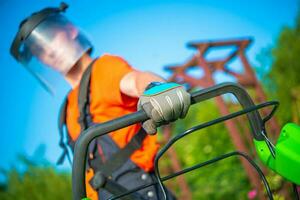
56 43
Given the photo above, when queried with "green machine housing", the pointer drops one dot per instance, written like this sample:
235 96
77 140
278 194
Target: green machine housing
287 153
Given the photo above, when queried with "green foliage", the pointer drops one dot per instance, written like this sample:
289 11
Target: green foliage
37 182
283 79
286 68
225 179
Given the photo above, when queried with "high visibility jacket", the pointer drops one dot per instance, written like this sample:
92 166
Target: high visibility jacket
107 102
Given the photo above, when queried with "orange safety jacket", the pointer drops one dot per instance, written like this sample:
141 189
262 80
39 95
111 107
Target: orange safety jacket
107 102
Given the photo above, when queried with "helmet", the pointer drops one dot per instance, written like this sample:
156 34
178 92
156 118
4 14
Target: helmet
48 38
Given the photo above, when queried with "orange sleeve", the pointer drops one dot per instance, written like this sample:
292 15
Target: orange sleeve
111 72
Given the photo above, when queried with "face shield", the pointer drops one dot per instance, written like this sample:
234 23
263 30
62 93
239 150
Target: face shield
47 43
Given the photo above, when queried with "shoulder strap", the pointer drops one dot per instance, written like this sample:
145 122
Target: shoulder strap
83 96
123 154
82 106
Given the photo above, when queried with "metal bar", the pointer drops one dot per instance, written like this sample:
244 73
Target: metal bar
191 130
80 152
185 192
201 126
81 146
203 164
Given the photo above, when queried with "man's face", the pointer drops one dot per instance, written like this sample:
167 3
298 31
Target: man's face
58 52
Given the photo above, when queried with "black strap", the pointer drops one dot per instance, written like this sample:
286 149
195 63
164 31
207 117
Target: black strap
104 171
101 181
82 106
83 97
123 154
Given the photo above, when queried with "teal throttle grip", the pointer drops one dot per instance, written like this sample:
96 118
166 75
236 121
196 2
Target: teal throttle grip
163 103
155 88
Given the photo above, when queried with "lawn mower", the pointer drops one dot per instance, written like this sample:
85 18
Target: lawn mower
283 158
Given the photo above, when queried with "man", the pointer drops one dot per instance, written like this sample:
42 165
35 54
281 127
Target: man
102 89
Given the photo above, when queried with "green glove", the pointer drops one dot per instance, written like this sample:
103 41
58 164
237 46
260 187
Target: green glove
163 103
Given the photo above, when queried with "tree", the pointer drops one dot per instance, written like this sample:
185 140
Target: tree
36 182
284 75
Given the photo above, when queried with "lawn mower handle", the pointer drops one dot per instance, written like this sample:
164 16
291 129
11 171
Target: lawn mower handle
81 145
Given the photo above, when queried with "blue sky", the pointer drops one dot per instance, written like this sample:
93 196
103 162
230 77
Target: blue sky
149 34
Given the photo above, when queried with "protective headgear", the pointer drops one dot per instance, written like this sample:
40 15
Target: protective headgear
49 37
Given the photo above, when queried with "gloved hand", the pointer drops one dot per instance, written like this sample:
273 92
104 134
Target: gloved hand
163 103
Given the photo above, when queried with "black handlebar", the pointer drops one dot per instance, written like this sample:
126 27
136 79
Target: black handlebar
81 146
